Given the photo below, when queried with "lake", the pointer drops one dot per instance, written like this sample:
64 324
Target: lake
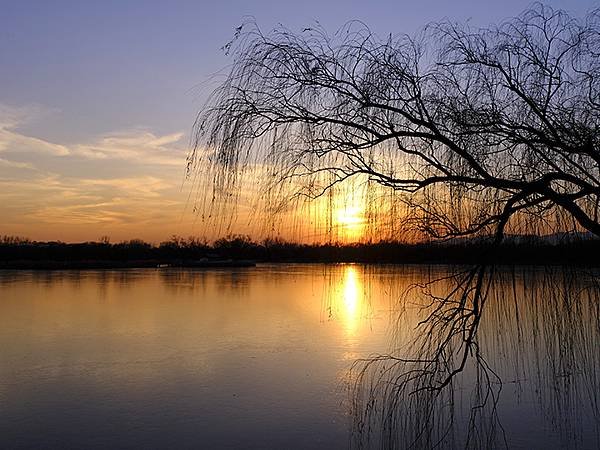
266 357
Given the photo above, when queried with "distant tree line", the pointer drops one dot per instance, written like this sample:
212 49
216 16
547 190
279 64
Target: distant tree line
556 249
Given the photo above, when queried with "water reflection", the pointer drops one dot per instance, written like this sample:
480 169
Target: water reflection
177 358
352 298
515 367
258 358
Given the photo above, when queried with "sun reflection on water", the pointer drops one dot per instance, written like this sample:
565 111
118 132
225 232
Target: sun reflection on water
352 297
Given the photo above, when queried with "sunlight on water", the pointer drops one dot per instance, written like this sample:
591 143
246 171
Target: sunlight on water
180 358
352 300
261 358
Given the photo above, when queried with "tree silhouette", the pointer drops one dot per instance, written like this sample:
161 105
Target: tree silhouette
475 127
480 131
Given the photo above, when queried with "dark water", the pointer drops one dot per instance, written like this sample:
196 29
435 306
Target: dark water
261 357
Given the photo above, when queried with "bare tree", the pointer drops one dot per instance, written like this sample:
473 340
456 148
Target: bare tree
474 126
479 130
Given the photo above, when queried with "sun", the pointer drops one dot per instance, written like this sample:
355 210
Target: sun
350 216
350 222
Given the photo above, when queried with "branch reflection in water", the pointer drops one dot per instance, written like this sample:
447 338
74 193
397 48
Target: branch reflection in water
475 353
141 357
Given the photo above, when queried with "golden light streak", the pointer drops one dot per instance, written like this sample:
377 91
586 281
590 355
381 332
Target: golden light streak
352 296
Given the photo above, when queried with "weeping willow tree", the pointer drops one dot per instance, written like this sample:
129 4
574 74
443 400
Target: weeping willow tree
476 128
478 132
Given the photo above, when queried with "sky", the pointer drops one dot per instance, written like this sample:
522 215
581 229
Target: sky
98 100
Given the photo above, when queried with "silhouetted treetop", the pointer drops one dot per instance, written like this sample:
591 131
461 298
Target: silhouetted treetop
477 128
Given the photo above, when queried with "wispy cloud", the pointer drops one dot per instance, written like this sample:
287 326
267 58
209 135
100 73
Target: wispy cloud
124 183
139 145
16 164
11 119
58 200
142 186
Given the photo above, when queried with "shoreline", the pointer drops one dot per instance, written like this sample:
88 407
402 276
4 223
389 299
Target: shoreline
48 265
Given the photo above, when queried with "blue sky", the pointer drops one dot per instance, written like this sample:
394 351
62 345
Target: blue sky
97 100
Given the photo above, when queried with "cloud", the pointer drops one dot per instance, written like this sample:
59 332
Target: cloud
143 186
138 145
94 201
16 164
11 119
15 142
125 183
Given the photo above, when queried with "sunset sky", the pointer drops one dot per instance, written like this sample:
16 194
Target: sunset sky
98 99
